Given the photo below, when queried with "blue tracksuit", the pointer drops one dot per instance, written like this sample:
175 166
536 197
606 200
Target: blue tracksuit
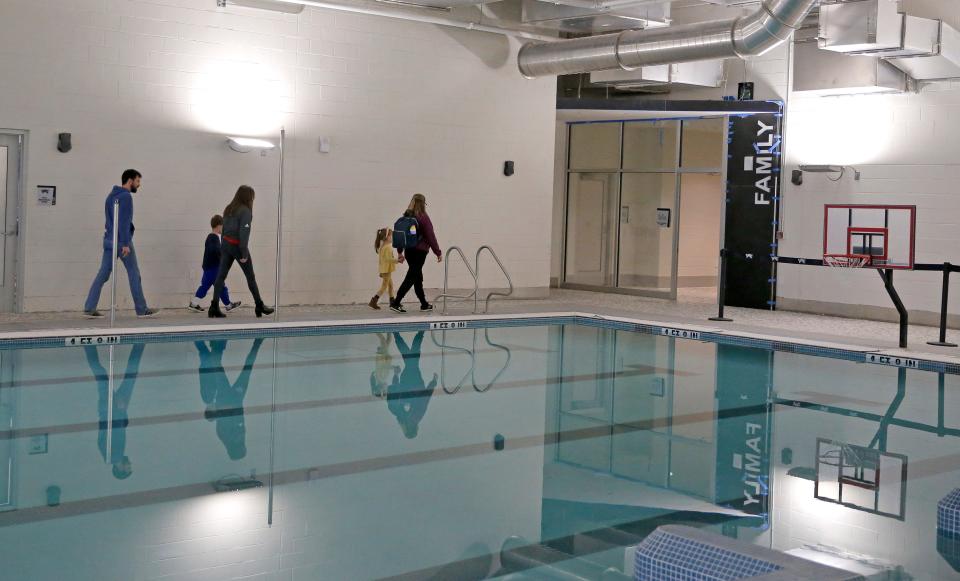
211 267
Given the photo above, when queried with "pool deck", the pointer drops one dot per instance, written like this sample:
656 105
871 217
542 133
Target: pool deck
691 309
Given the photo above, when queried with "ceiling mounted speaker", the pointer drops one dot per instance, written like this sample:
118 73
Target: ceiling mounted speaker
287 7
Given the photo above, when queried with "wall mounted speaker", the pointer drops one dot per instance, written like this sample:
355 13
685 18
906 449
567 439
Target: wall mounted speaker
64 142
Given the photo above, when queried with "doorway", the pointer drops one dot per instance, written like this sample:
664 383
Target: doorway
644 206
11 167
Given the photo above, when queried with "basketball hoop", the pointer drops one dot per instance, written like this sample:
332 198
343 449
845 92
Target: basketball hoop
845 261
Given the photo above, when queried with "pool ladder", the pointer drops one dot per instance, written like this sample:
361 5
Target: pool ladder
471 373
475 274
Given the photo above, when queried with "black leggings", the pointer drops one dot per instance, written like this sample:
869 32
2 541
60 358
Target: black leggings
227 256
415 260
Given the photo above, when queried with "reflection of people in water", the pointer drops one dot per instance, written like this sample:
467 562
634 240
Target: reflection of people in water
224 399
122 468
384 366
407 397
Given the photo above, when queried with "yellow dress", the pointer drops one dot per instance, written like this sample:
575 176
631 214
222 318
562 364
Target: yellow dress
388 262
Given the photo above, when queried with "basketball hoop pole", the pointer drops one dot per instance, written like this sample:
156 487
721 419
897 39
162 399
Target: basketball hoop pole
887 276
722 292
947 268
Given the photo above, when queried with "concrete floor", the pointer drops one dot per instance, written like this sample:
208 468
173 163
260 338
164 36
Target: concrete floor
694 306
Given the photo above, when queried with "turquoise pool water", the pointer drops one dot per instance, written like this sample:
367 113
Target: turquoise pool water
418 455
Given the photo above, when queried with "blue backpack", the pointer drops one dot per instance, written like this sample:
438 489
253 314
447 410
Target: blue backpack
406 232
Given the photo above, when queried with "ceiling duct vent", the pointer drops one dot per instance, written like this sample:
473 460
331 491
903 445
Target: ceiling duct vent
589 16
942 65
825 73
875 27
696 74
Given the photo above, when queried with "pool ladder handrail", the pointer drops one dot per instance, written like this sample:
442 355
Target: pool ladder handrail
472 353
446 278
476 296
475 274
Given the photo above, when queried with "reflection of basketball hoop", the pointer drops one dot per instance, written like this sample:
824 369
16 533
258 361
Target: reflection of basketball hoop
861 478
841 261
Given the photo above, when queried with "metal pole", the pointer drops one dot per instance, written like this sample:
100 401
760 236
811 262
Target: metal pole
941 392
116 257
947 267
273 432
887 276
722 292
276 282
109 435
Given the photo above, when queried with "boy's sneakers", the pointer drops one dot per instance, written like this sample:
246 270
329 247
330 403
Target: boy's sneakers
196 306
397 308
426 308
231 306
94 314
148 313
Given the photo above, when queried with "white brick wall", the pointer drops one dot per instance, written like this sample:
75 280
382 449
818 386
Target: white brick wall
905 148
157 85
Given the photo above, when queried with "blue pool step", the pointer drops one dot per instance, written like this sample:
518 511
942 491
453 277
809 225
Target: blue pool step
674 552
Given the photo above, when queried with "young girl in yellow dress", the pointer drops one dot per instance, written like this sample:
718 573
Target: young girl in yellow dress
388 263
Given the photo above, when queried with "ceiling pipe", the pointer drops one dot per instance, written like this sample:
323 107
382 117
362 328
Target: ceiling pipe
403 14
750 35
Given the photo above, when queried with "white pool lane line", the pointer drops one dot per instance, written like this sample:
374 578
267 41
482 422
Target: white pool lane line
892 354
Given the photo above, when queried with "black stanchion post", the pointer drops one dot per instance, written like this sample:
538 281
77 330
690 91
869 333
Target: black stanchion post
722 293
947 267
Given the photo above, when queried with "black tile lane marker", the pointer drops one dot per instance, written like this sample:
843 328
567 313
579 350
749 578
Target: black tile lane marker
919 469
305 405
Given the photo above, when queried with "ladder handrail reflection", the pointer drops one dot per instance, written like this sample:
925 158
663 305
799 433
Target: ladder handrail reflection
472 353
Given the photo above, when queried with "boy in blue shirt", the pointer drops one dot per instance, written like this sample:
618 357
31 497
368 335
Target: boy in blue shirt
211 266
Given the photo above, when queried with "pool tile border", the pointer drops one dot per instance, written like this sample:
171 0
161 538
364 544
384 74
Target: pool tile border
851 352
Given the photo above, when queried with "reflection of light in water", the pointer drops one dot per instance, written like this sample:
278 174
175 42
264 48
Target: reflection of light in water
225 506
238 99
840 130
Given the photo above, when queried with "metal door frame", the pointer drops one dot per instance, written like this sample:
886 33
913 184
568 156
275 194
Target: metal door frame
678 172
23 137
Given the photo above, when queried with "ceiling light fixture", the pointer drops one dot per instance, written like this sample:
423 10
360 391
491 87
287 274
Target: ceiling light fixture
248 144
840 169
285 7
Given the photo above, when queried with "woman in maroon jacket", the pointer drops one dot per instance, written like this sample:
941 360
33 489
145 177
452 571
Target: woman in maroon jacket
417 256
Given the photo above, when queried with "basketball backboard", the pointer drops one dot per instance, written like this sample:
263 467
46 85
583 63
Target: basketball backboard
869 236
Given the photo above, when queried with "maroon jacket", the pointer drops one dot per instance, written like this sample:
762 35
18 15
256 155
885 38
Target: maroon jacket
428 239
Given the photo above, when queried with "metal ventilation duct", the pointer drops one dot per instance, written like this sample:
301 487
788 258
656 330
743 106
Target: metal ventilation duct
942 65
750 35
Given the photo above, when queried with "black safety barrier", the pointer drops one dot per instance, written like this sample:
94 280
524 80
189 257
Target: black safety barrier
886 274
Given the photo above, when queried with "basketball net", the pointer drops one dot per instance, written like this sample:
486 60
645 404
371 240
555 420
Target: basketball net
846 261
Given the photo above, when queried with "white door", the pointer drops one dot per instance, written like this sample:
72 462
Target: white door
11 149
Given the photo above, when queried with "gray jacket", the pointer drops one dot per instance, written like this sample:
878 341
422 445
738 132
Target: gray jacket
236 230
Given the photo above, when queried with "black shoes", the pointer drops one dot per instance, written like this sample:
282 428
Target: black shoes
397 308
262 310
215 312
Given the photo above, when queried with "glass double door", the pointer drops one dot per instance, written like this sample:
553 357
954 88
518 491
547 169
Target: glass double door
624 188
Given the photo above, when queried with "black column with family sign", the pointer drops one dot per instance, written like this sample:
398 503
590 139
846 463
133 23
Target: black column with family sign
753 202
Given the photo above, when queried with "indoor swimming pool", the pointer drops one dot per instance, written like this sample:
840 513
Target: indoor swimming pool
512 451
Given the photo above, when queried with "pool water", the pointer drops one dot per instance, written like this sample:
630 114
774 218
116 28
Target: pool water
420 455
